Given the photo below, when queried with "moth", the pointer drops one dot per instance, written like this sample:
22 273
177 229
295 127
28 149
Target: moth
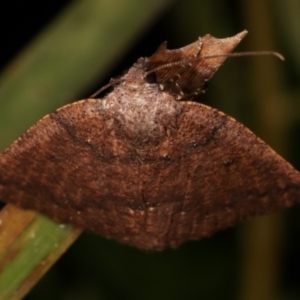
146 165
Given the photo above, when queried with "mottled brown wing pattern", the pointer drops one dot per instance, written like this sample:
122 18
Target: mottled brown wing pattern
205 175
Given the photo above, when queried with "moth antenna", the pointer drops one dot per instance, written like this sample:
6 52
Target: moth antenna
181 62
111 83
250 53
168 65
235 54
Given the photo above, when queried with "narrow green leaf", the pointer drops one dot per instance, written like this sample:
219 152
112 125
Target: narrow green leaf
31 251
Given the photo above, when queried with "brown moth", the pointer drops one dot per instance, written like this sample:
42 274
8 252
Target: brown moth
143 168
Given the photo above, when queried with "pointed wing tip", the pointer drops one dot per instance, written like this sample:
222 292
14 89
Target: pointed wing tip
242 34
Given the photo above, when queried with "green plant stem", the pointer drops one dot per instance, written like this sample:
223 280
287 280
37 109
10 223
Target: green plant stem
262 236
28 248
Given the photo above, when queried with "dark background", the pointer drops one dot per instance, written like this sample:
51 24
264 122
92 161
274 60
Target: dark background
222 266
